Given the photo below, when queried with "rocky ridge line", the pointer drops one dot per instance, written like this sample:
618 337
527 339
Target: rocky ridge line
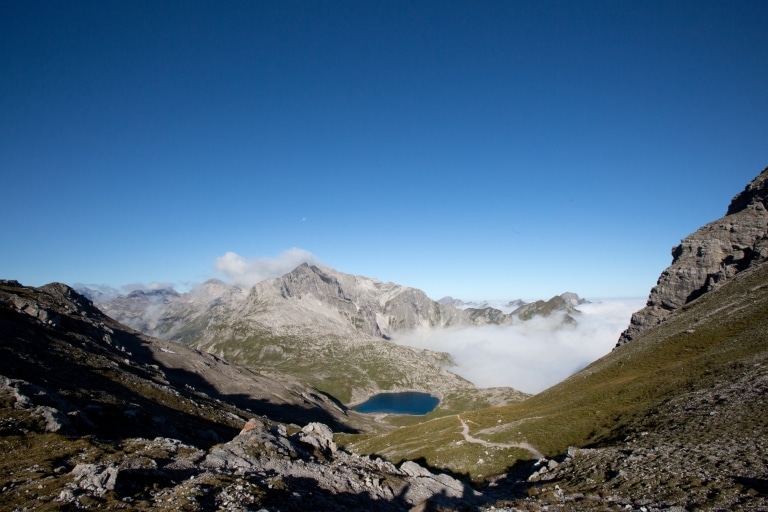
706 259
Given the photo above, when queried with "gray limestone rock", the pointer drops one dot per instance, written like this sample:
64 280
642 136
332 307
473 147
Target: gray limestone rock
55 421
708 258
318 436
411 468
97 478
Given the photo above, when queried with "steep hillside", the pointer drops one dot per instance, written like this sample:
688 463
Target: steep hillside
55 335
675 418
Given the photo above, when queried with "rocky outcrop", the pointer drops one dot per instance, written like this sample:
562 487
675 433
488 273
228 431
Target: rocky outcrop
708 258
261 466
563 306
310 462
339 302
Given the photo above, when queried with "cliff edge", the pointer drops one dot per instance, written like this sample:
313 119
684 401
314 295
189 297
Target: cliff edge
709 257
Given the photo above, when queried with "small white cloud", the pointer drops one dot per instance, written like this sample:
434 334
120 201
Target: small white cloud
246 272
530 356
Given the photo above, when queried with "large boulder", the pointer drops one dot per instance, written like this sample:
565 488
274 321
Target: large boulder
318 436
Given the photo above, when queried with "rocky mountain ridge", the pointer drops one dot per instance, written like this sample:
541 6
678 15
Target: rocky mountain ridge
709 257
505 306
322 325
319 298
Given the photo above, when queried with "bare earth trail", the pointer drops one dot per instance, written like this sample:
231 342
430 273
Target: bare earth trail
525 446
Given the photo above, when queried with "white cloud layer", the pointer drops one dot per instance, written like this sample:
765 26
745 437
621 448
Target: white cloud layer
530 356
246 272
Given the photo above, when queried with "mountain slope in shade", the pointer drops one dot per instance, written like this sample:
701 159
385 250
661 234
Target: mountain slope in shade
56 324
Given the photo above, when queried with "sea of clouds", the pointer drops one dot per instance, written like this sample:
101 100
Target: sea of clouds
533 355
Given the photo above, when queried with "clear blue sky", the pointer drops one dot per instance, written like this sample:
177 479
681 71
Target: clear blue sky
475 149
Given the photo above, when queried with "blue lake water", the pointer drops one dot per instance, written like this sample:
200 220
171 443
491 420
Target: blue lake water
407 402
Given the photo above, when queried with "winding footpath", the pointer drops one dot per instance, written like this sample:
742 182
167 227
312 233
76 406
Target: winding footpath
525 446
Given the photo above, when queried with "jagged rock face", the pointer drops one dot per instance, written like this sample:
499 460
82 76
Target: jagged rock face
709 257
366 305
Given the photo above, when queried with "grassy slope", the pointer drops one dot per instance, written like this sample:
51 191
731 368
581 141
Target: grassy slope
349 370
697 346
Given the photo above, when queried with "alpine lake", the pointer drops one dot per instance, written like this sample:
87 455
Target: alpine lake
406 402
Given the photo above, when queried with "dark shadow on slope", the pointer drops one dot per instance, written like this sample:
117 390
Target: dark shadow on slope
284 413
338 404
191 384
74 365
303 494
86 389
512 486
422 461
757 485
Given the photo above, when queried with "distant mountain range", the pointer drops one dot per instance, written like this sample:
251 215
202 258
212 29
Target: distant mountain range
509 306
319 324
339 303
505 306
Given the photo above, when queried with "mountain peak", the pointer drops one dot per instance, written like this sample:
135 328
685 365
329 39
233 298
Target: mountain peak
709 257
754 195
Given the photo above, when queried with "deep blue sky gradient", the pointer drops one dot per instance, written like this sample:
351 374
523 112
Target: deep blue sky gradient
477 149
